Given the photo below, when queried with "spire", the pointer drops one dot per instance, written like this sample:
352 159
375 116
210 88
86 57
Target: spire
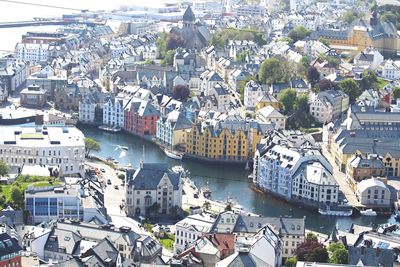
189 15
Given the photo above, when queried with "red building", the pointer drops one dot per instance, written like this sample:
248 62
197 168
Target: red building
10 251
141 118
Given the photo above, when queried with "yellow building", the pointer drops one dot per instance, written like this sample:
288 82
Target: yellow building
231 141
267 100
362 34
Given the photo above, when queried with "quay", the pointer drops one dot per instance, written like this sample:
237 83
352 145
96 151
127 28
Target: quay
45 22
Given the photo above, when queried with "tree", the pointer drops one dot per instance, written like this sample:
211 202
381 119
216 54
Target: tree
369 80
313 76
311 237
337 253
396 92
4 168
153 209
180 92
287 98
325 84
311 250
17 197
174 41
291 262
299 33
305 61
348 17
351 88
121 176
91 145
206 205
241 57
273 70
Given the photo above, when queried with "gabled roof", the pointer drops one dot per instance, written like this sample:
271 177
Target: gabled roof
189 15
8 245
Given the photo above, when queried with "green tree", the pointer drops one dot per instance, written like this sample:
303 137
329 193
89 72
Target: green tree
369 80
241 57
274 70
91 145
207 205
17 197
348 17
337 253
351 88
153 209
396 92
291 262
311 237
287 98
305 61
4 168
121 176
299 33
313 76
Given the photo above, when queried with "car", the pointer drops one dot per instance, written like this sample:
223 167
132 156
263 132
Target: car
195 195
116 187
108 181
103 170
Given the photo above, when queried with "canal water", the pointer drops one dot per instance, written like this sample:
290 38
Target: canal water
224 181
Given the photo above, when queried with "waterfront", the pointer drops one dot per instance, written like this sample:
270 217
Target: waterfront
224 181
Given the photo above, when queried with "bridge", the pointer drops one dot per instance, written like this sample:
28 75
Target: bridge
44 22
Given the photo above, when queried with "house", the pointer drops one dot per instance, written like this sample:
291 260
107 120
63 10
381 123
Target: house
114 111
152 185
222 95
102 254
370 98
373 193
13 73
368 59
32 52
209 79
172 128
141 117
389 70
369 256
328 105
360 168
252 92
190 229
33 97
10 252
61 245
271 115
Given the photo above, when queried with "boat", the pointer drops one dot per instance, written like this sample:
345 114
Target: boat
123 147
178 169
340 210
206 191
368 212
173 154
106 128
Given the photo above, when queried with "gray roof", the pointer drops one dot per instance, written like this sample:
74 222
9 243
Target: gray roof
62 241
69 263
103 254
149 175
371 256
246 259
189 15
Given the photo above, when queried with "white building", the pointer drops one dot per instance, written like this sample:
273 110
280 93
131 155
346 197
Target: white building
46 204
328 105
390 70
152 185
190 229
270 115
252 92
171 129
114 112
314 182
370 58
373 193
62 148
32 52
208 80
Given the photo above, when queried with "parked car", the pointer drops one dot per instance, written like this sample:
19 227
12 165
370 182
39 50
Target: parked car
103 170
116 187
108 181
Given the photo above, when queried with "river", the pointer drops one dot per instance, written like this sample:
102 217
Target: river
224 181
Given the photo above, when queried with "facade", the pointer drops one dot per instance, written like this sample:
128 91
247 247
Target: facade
190 229
61 148
114 112
229 141
373 193
267 100
368 59
33 97
87 110
32 52
13 73
153 184
10 252
252 92
390 70
171 129
46 204
141 118
360 168
270 115
328 105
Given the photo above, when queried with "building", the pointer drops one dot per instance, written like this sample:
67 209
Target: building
194 33
152 188
373 193
314 182
368 59
328 105
267 100
190 229
141 118
226 141
290 230
33 97
389 70
252 92
91 107
360 168
172 128
46 204
269 114
10 251
13 73
32 52
114 112
60 148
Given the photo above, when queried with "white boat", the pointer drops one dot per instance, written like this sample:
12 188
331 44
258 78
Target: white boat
173 154
343 211
110 129
123 147
368 212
